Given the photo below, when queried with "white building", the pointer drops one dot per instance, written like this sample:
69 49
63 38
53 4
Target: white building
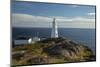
25 40
54 33
22 40
35 39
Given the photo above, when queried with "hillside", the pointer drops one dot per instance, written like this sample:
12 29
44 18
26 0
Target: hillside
51 50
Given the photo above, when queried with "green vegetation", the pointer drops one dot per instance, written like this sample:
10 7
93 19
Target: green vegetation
51 50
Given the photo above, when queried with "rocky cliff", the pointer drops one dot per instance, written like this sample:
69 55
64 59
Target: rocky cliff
51 50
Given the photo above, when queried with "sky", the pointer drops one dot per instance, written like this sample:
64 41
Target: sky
37 14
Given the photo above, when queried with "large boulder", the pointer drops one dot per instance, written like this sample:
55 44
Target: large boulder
68 49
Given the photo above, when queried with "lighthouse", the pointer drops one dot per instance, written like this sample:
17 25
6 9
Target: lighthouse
54 32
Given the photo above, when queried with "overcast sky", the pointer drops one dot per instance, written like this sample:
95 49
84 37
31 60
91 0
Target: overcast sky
30 14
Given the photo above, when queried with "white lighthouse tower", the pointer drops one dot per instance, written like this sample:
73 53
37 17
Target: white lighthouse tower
54 33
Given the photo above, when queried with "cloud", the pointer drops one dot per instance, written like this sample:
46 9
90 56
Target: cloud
26 20
91 14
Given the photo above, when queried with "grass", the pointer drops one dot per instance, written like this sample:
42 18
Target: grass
39 52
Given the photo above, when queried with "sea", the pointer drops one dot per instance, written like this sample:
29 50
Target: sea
85 36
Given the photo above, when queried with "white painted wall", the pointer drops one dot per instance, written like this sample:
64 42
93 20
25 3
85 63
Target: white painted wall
19 42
